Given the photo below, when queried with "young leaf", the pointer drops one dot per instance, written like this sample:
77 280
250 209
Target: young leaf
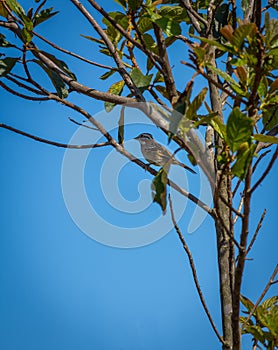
61 64
121 126
243 159
159 187
266 138
139 79
6 65
115 89
44 15
196 104
239 129
56 80
169 26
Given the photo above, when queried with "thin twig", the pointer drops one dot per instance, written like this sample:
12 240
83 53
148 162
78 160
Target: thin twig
81 58
82 124
259 159
256 232
267 170
269 283
194 272
239 209
26 97
53 143
112 49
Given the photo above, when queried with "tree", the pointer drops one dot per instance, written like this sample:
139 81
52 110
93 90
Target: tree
233 51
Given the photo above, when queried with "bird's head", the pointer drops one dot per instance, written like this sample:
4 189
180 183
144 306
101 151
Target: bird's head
144 137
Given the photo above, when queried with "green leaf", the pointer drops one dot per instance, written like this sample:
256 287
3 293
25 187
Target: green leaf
169 26
220 19
239 129
177 13
134 4
121 126
3 11
56 80
270 116
16 7
61 64
144 24
162 90
108 74
6 65
159 187
224 48
234 85
115 89
266 138
98 41
121 2
242 32
196 104
244 157
4 42
246 302
268 303
139 79
179 110
44 15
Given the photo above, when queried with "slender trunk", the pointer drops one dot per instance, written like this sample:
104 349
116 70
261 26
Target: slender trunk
224 243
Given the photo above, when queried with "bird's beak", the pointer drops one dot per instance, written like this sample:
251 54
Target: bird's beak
136 138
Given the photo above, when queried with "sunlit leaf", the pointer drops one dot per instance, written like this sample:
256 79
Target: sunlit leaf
115 89
169 26
61 64
244 157
159 187
121 126
44 15
239 129
266 138
140 80
6 65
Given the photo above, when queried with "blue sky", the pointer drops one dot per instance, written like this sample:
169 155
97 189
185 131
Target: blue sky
61 289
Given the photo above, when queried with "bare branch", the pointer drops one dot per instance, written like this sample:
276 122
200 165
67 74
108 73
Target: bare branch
259 159
267 170
194 272
269 283
153 57
241 261
122 70
239 209
166 67
194 16
26 97
81 124
52 143
256 232
73 54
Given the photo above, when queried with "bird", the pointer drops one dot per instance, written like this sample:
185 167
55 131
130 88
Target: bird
156 154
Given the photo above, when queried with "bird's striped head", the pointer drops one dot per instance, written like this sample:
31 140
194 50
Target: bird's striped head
144 136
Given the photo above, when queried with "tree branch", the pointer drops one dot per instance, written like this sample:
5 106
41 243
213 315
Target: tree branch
166 67
256 232
52 143
81 58
194 272
267 170
270 282
122 70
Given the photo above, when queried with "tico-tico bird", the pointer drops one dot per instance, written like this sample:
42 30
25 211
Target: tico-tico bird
157 154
